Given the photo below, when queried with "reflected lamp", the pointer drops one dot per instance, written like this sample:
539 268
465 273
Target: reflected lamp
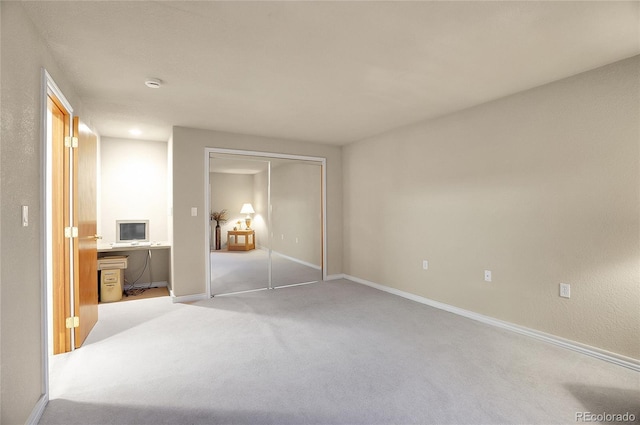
248 210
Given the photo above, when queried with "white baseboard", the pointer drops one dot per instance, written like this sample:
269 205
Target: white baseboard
187 298
227 294
288 257
598 353
38 410
296 284
296 260
335 276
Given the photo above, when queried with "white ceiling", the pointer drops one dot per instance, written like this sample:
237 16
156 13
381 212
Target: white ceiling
331 72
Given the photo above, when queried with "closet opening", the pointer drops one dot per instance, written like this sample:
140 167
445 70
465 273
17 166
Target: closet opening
266 221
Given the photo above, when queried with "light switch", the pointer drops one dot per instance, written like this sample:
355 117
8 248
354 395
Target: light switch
194 211
25 215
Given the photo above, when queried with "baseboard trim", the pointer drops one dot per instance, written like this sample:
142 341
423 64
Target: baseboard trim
38 410
588 350
186 298
240 292
335 277
295 284
296 260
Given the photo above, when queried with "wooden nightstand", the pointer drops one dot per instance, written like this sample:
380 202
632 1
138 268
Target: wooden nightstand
249 240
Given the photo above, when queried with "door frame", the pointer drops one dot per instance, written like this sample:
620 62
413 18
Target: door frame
207 200
48 86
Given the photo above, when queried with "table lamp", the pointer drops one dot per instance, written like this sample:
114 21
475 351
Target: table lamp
247 209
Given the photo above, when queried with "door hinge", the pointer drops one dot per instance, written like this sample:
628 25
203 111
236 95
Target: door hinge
72 322
70 142
70 232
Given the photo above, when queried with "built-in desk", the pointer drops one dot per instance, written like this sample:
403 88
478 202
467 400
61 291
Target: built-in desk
155 257
120 248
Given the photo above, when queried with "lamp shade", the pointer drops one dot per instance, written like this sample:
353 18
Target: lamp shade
247 209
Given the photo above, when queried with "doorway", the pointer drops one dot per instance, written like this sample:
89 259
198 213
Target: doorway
70 236
59 259
283 241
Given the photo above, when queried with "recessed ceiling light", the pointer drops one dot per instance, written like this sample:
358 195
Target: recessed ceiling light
153 83
135 132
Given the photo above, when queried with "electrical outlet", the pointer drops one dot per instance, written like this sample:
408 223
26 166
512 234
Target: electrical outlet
565 290
487 275
425 265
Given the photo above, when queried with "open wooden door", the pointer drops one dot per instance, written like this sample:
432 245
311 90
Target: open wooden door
57 130
86 260
72 205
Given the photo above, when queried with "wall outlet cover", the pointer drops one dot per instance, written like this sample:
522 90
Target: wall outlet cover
487 275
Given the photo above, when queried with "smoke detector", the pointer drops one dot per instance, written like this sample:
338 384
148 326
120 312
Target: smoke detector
153 83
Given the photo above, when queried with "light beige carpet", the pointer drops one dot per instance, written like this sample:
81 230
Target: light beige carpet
237 271
326 353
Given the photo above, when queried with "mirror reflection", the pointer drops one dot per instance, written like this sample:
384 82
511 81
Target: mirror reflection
296 223
239 260
266 222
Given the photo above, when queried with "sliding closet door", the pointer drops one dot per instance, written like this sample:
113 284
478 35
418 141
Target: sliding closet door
283 243
296 222
239 257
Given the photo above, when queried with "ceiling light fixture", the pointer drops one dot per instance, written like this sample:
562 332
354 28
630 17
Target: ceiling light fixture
153 83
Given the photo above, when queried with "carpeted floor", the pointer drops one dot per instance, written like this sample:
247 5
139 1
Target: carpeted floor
238 271
325 353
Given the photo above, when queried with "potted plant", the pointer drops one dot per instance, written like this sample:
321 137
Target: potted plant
220 217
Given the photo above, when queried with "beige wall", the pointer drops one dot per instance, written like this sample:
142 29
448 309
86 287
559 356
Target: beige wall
296 218
133 177
23 55
541 187
188 191
260 206
296 197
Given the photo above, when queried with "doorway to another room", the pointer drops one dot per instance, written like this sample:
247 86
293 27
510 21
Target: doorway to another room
70 223
267 221
134 217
